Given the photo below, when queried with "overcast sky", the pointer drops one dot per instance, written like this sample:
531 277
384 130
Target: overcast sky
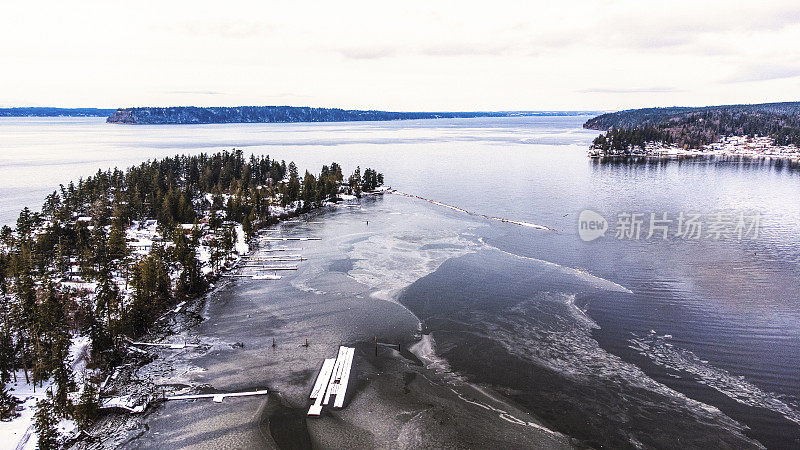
402 55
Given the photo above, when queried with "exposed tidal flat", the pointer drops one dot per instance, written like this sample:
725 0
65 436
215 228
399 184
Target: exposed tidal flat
396 397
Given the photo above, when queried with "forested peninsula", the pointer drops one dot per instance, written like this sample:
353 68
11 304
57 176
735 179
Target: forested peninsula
109 254
693 128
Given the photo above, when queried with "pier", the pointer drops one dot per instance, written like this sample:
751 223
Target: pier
170 346
217 398
292 239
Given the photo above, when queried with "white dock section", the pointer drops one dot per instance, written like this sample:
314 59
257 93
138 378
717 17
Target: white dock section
332 381
266 277
217 397
268 257
345 378
262 267
172 346
292 239
318 391
261 262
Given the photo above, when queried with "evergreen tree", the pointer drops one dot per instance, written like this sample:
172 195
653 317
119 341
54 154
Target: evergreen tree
117 246
152 292
8 403
45 422
355 182
292 193
309 191
88 408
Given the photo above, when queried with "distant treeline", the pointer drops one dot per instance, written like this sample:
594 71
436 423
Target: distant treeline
695 127
55 112
284 114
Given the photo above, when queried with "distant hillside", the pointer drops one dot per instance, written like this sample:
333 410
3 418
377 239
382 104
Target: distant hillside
694 127
283 114
55 112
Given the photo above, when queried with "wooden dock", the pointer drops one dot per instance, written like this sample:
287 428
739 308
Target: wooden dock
332 380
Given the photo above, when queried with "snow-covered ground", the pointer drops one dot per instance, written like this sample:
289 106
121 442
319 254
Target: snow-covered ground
19 433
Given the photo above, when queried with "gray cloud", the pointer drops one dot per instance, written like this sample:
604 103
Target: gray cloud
466 49
639 90
763 72
367 52
221 28
195 92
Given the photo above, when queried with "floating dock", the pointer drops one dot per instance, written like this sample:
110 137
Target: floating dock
332 381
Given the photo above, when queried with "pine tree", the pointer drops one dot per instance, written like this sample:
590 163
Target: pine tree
152 292
117 246
247 226
45 424
355 182
309 191
292 190
8 403
88 408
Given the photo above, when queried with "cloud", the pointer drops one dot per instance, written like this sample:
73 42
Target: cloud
465 49
220 28
444 49
763 72
195 92
651 90
367 52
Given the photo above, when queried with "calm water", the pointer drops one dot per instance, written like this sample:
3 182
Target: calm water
638 337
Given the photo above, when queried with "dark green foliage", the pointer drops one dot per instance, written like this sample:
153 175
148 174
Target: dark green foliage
152 292
8 403
625 140
371 180
87 410
45 424
191 283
